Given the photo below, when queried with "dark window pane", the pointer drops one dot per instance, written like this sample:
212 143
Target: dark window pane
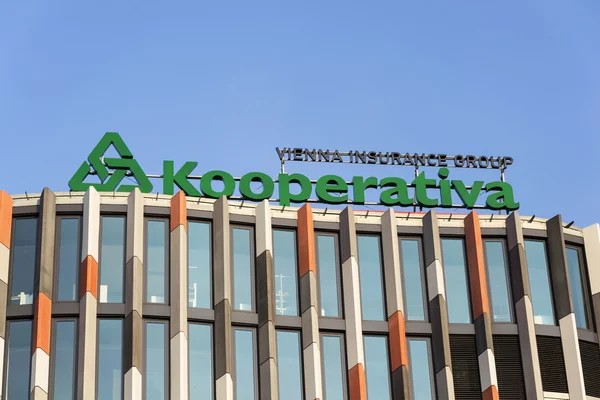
112 259
539 281
199 261
289 365
412 279
377 368
200 358
18 362
110 359
24 259
333 368
64 361
68 259
284 256
328 271
577 288
371 284
495 259
242 269
156 265
156 361
455 276
420 369
245 360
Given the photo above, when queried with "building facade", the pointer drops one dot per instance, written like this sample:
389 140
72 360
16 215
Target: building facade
134 296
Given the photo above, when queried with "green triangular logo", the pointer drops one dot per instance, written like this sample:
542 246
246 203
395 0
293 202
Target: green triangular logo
98 165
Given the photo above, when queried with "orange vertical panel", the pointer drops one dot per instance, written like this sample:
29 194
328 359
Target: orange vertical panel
398 354
491 393
6 205
306 240
479 292
178 211
358 385
89 277
42 323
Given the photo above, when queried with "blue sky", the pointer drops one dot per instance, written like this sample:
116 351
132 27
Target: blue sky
223 84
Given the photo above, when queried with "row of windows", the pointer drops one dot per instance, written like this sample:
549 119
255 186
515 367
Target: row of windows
201 377
112 267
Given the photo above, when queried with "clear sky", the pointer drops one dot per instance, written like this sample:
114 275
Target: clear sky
223 84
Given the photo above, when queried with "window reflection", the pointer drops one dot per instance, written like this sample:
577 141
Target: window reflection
200 359
156 361
420 369
333 367
371 284
289 366
64 382
68 259
328 276
242 269
110 359
199 265
24 260
18 362
377 368
539 281
577 287
455 277
284 257
495 259
412 279
112 259
245 360
156 261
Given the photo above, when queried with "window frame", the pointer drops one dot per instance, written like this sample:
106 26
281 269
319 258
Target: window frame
344 370
255 368
6 354
210 269
212 355
338 273
381 271
301 358
296 268
389 360
422 267
167 280
506 275
97 361
52 372
429 362
124 286
12 257
587 296
549 274
467 276
166 343
56 271
251 229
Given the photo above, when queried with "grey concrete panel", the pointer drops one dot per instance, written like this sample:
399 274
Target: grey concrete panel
519 276
308 291
222 250
3 301
284 223
574 239
111 309
445 384
288 321
178 281
529 351
326 226
63 309
158 311
268 380
47 232
401 383
410 230
417 327
135 226
596 311
265 287
514 230
587 336
452 231
13 310
431 238
113 208
223 338
535 233
375 326
69 208
332 324
267 342
493 231
348 244
505 329
547 330
367 228
310 327
157 211
201 314
38 394
461 329
244 318
557 260
134 281
440 339
133 342
483 333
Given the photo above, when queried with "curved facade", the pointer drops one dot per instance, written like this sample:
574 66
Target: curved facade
133 296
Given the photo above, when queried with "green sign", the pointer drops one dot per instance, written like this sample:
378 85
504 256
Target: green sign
291 188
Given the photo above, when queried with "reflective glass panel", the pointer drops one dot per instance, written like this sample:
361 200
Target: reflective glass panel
245 360
289 365
18 362
156 360
412 279
156 262
242 269
333 367
284 257
371 284
328 270
577 291
455 277
498 280
377 368
539 281
112 259
420 369
199 265
200 358
68 259
65 382
24 260
110 359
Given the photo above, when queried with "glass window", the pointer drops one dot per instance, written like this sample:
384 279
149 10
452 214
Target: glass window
199 265
412 279
18 362
497 271
243 273
334 370
577 287
371 284
284 256
289 365
200 359
64 382
110 359
68 258
455 277
420 369
156 360
539 281
328 275
156 263
23 260
112 259
377 368
245 361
